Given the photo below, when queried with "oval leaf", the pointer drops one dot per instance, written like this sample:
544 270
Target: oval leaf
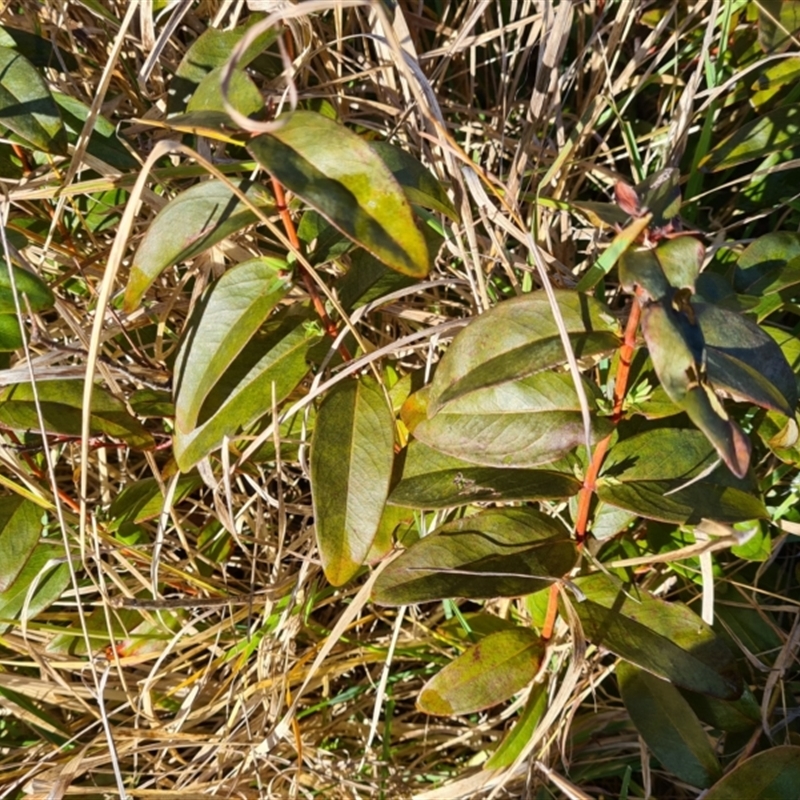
498 553
26 105
271 365
47 566
20 529
339 175
31 286
233 310
771 775
431 479
518 338
772 132
351 464
521 423
189 224
61 403
667 639
644 474
493 670
668 726
421 188
745 361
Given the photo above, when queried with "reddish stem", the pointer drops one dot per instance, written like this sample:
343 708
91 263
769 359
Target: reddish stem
620 388
316 300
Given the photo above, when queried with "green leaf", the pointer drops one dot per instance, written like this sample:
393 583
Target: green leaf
731 716
641 268
765 258
772 132
771 775
142 500
431 479
210 51
339 175
772 79
661 195
644 473
62 403
522 423
243 94
667 639
518 338
420 186
367 280
668 726
10 333
47 567
609 257
189 224
37 49
777 289
20 529
745 361
230 314
268 368
39 295
677 350
351 463
508 750
778 24
497 553
493 670
103 141
681 259
26 105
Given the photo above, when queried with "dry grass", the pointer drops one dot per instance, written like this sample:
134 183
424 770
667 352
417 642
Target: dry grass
278 696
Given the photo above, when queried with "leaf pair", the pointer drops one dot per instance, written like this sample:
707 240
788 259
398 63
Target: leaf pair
700 351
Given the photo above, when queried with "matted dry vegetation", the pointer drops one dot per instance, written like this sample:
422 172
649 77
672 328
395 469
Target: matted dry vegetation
266 682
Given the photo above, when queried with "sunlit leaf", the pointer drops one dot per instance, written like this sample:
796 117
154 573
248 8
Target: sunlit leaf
493 670
339 175
420 186
508 750
431 479
351 465
51 574
668 726
681 259
26 106
764 259
667 639
266 370
61 403
677 350
518 338
209 51
523 423
644 475
243 94
778 24
772 132
189 224
10 333
745 361
497 553
233 310
20 529
103 141
30 286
